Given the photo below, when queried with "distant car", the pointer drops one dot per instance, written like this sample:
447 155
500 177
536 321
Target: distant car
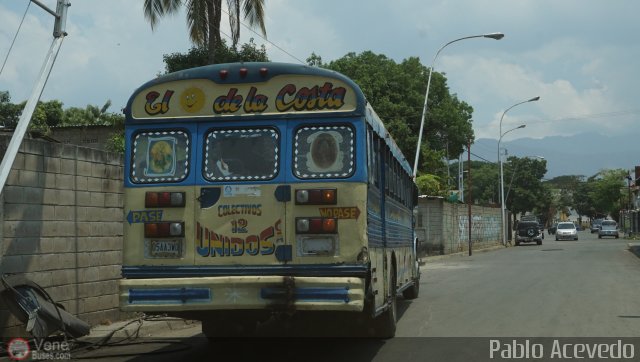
566 231
552 229
595 225
608 228
529 231
579 227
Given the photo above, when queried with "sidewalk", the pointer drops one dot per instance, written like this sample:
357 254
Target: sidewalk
144 326
634 247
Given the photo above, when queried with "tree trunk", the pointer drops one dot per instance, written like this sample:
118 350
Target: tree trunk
214 8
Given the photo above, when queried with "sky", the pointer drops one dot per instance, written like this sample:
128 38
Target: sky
581 57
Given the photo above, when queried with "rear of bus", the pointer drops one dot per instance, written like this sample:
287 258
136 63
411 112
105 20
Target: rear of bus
245 193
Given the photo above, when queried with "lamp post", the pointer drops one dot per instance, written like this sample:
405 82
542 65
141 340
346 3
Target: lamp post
496 36
629 178
502 209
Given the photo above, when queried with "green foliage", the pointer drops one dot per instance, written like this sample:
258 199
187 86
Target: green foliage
525 191
45 115
485 185
9 112
91 115
396 91
198 56
606 192
430 185
51 114
204 19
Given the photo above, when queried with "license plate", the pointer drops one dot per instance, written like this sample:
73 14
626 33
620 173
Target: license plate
317 246
164 248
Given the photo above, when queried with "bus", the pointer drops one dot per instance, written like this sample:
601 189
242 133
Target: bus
261 189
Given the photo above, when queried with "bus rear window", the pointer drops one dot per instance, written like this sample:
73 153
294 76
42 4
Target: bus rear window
241 154
324 152
160 156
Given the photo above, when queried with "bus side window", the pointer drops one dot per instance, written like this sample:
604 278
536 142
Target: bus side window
370 157
376 160
387 170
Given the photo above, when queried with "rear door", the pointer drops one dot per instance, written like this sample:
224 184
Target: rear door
240 212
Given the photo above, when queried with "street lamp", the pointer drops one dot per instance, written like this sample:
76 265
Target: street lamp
502 209
496 36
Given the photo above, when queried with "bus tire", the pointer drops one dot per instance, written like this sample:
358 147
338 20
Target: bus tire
413 291
385 324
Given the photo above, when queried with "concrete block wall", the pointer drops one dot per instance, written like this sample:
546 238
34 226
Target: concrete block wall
443 227
61 225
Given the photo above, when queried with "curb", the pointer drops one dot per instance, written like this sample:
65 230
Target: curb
634 247
142 326
427 259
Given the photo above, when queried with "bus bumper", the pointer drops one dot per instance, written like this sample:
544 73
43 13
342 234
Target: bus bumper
242 292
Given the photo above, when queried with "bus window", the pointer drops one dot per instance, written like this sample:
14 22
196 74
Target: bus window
241 154
376 160
159 156
324 152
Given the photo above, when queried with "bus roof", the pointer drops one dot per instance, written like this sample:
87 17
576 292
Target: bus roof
247 89
253 89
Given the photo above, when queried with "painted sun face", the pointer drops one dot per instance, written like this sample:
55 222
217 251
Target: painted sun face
192 99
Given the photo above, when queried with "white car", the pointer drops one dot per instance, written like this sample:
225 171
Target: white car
566 231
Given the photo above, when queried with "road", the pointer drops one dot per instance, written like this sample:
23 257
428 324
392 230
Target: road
584 288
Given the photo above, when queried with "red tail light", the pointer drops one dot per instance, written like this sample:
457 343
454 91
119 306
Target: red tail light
164 230
317 197
164 199
316 225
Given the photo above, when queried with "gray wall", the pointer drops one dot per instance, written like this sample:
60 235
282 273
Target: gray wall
443 227
61 225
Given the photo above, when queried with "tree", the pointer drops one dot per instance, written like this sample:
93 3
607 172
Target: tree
46 114
197 56
396 91
524 191
9 112
607 192
430 185
90 115
204 18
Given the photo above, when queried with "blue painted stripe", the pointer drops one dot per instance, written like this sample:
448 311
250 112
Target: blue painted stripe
301 270
169 295
307 294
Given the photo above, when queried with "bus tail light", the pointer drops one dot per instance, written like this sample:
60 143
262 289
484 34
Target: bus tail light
164 199
317 197
316 225
164 229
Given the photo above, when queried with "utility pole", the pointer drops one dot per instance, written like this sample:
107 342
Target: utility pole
470 198
23 124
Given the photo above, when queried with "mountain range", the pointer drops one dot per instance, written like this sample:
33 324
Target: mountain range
581 154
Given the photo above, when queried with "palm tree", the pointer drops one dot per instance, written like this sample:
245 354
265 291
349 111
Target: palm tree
204 17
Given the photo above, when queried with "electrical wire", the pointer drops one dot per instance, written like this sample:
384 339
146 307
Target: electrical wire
106 341
15 36
265 39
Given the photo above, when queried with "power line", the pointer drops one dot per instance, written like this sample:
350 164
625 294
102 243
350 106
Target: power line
484 159
15 36
265 39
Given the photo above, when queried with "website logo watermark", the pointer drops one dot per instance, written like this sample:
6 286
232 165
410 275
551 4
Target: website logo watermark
19 349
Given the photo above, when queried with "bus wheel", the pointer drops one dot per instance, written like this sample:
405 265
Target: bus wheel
385 324
413 291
